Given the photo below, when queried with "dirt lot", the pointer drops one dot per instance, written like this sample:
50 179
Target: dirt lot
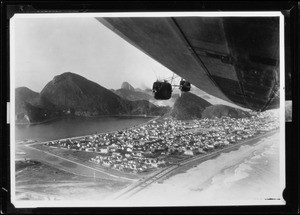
37 181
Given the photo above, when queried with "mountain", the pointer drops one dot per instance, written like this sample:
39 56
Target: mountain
139 90
145 107
127 86
73 94
188 106
132 95
223 110
84 97
23 94
135 94
128 92
35 114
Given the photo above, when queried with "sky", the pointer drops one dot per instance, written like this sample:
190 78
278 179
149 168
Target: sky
46 47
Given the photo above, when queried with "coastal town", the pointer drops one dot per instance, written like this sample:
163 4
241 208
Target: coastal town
165 141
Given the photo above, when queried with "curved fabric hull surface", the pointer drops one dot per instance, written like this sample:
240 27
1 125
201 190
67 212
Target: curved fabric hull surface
233 58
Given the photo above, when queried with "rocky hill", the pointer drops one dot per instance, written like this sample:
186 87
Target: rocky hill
128 92
188 106
217 111
145 107
73 94
127 86
133 95
23 94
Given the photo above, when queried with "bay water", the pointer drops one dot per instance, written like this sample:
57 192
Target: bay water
72 127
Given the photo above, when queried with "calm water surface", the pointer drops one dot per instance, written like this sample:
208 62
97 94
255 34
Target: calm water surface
71 127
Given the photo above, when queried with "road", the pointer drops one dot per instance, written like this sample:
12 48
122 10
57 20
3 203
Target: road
137 187
70 164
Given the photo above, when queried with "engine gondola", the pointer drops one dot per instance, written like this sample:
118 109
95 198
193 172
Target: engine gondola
162 90
184 86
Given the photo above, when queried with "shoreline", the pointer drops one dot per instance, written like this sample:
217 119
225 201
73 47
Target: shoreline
83 136
32 143
182 168
189 163
37 123
84 117
186 165
183 164
250 168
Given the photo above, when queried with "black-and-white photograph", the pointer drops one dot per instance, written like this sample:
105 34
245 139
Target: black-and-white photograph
147 109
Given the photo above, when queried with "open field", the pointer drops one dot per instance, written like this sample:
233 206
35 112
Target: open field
78 165
38 181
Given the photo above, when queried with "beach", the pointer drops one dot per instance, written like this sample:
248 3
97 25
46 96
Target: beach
241 172
250 173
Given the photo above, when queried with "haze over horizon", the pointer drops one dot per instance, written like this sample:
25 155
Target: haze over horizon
46 47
